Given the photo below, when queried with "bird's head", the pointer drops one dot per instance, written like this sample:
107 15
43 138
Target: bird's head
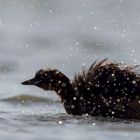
48 79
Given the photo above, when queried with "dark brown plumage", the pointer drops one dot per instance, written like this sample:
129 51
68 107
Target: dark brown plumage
106 89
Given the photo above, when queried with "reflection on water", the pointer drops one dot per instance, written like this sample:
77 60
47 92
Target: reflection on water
27 99
67 35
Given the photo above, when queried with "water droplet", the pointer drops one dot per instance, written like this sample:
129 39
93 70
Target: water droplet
84 4
31 25
60 122
134 82
113 112
96 28
94 124
26 45
92 12
77 43
63 84
72 106
50 11
113 74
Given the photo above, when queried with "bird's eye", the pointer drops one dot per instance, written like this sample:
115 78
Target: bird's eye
41 72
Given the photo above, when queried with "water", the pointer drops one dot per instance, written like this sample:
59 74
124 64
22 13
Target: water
67 35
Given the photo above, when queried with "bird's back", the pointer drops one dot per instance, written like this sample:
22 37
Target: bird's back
108 89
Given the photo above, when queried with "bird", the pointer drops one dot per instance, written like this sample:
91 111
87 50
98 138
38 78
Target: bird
108 89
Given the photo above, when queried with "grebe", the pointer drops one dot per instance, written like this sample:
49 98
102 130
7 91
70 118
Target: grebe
105 89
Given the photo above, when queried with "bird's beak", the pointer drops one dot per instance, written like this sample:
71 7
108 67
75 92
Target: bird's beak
33 81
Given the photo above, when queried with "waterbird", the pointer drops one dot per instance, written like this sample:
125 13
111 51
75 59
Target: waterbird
108 89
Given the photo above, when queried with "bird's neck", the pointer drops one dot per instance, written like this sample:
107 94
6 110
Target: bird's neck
63 87
64 90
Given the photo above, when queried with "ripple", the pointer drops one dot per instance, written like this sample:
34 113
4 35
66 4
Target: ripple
27 99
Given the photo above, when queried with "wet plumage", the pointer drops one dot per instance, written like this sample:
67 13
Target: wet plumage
105 89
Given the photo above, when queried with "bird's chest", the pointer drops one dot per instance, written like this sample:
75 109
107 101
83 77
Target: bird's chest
75 107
